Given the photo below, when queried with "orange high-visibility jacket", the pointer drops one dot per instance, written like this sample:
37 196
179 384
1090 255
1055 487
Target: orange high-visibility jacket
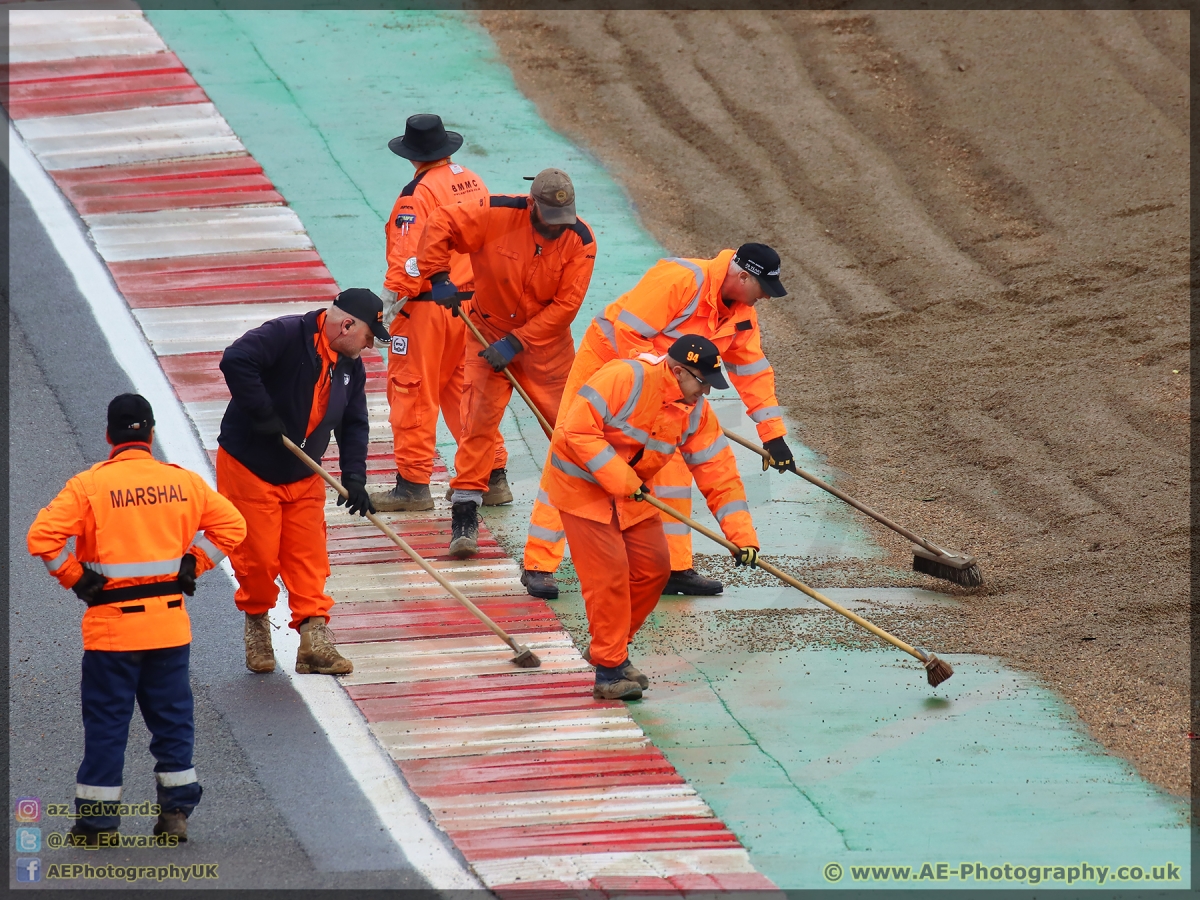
133 518
437 186
524 284
623 426
683 296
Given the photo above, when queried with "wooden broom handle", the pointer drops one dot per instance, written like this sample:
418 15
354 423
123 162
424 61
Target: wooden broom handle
826 486
403 545
785 578
509 375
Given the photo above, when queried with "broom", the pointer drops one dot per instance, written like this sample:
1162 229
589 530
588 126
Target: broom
928 558
936 670
525 658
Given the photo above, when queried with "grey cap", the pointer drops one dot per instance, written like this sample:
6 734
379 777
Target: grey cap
555 196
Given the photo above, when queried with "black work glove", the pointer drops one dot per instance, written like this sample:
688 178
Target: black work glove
502 352
640 493
747 556
187 574
359 501
443 291
271 426
89 586
781 456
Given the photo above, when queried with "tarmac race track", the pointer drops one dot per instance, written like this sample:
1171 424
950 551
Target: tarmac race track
777 744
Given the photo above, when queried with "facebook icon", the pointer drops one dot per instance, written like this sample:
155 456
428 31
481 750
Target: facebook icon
29 869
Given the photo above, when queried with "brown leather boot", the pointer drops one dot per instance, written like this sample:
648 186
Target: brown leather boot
260 657
318 654
173 822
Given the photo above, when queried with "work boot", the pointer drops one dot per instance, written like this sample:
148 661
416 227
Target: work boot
87 837
540 584
498 491
406 496
629 672
260 657
318 654
612 683
464 530
172 822
692 584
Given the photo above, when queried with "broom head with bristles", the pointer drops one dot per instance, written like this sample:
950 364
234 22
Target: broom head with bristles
956 567
526 658
936 670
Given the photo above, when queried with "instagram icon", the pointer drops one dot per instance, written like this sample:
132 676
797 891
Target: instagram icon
28 809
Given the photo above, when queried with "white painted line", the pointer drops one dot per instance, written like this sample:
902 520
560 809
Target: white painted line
119 137
38 35
345 728
651 863
196 232
172 330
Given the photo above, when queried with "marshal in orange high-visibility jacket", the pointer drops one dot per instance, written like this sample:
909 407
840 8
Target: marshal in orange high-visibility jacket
610 445
144 531
425 358
714 298
532 258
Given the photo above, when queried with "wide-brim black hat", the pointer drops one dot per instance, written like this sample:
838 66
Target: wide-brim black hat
425 139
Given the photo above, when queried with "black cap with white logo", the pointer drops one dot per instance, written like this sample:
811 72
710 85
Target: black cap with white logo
763 263
701 354
130 418
364 304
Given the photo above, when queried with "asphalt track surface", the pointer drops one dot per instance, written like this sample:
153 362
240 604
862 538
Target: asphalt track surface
280 810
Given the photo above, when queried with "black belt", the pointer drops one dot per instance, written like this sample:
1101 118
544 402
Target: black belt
138 592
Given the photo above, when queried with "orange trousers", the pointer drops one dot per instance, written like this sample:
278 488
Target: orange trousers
425 374
622 574
544 542
542 371
285 535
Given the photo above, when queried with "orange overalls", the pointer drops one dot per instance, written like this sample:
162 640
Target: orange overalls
525 286
286 523
617 432
133 518
675 297
425 360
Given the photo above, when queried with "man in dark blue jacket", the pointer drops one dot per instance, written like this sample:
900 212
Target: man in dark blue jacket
300 376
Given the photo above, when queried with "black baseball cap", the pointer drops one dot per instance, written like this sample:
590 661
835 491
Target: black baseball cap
763 263
702 354
130 418
364 304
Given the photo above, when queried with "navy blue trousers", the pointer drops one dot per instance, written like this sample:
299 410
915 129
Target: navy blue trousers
158 681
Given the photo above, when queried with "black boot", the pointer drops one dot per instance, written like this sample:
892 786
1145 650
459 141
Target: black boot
464 530
692 584
540 584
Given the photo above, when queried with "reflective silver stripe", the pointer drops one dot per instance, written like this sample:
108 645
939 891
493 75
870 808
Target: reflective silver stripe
543 497
690 309
728 508
675 528
672 490
571 469
607 330
597 462
660 446
209 548
53 565
767 412
537 531
136 570
635 394
644 329
592 396
759 365
95 792
703 456
693 423
176 779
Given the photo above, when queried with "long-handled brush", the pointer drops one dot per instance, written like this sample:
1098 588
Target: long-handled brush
928 558
525 658
509 375
936 670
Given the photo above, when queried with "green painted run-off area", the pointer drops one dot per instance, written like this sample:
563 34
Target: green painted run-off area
815 755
